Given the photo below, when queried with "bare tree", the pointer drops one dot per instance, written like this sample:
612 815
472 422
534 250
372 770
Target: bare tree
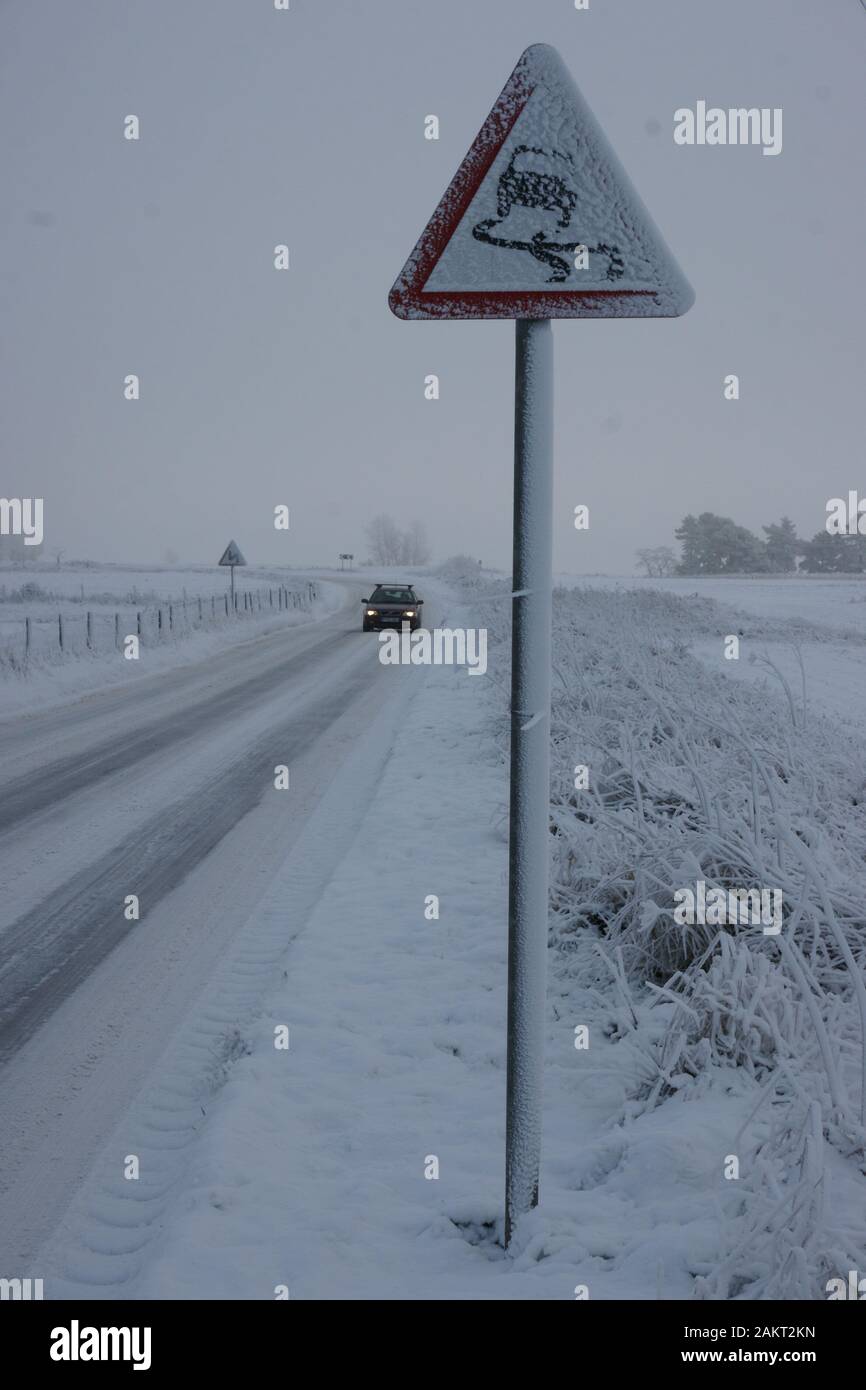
659 561
391 546
416 545
385 541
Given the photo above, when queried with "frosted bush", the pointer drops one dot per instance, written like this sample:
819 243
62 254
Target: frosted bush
692 777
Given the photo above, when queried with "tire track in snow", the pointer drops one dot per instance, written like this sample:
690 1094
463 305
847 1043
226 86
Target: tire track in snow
30 795
49 950
98 1248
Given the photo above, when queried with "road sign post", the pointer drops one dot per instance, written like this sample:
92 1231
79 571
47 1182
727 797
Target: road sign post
528 845
539 222
230 557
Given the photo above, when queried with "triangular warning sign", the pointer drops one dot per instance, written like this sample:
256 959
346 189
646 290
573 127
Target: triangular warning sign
232 555
540 220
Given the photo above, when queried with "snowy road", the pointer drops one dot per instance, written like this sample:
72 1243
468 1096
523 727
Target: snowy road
163 789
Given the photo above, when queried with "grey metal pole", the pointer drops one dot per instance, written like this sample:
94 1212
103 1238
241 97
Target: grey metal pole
529 836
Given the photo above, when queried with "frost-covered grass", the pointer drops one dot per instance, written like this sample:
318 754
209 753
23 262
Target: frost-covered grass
815 603
44 593
181 615
692 777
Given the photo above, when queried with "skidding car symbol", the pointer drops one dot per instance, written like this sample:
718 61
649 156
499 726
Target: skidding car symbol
539 181
391 605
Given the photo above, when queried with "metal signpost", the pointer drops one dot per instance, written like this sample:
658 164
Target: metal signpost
232 556
539 222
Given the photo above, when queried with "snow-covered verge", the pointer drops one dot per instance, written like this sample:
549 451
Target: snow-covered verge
309 1169
692 779
801 636
48 677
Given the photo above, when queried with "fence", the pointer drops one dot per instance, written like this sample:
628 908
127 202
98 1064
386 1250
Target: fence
102 629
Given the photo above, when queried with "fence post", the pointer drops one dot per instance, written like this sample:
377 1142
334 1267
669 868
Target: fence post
159 621
26 637
199 613
117 629
60 630
171 617
89 630
138 625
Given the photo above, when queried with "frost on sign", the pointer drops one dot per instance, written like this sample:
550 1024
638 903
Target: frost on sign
540 220
232 555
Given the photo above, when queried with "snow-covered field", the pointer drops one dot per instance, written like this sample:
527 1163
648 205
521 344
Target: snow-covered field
43 592
827 601
804 633
303 1168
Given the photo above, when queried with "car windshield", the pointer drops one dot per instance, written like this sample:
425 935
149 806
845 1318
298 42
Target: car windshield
386 595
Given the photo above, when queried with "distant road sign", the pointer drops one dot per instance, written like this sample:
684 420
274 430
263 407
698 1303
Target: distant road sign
540 220
232 555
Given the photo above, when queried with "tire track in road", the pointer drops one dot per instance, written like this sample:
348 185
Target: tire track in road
50 949
28 796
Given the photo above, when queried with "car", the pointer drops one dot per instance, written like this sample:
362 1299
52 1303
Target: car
392 605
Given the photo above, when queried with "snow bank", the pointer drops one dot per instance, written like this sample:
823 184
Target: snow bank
49 678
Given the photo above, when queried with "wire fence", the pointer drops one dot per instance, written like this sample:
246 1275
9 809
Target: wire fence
102 629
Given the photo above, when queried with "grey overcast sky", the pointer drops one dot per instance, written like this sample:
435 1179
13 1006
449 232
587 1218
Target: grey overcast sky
306 127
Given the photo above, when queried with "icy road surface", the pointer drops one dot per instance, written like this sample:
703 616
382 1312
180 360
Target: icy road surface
163 789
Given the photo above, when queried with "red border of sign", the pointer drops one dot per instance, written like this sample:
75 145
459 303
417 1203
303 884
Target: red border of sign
407 298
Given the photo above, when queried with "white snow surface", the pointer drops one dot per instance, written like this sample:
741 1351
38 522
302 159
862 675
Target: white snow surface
816 620
306 1168
49 680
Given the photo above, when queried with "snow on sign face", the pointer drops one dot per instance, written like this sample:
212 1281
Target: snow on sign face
540 220
232 555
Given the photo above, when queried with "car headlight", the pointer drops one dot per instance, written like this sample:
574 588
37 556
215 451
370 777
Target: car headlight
410 613
372 612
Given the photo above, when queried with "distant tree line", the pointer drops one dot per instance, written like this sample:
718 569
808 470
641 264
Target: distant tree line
390 545
712 544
